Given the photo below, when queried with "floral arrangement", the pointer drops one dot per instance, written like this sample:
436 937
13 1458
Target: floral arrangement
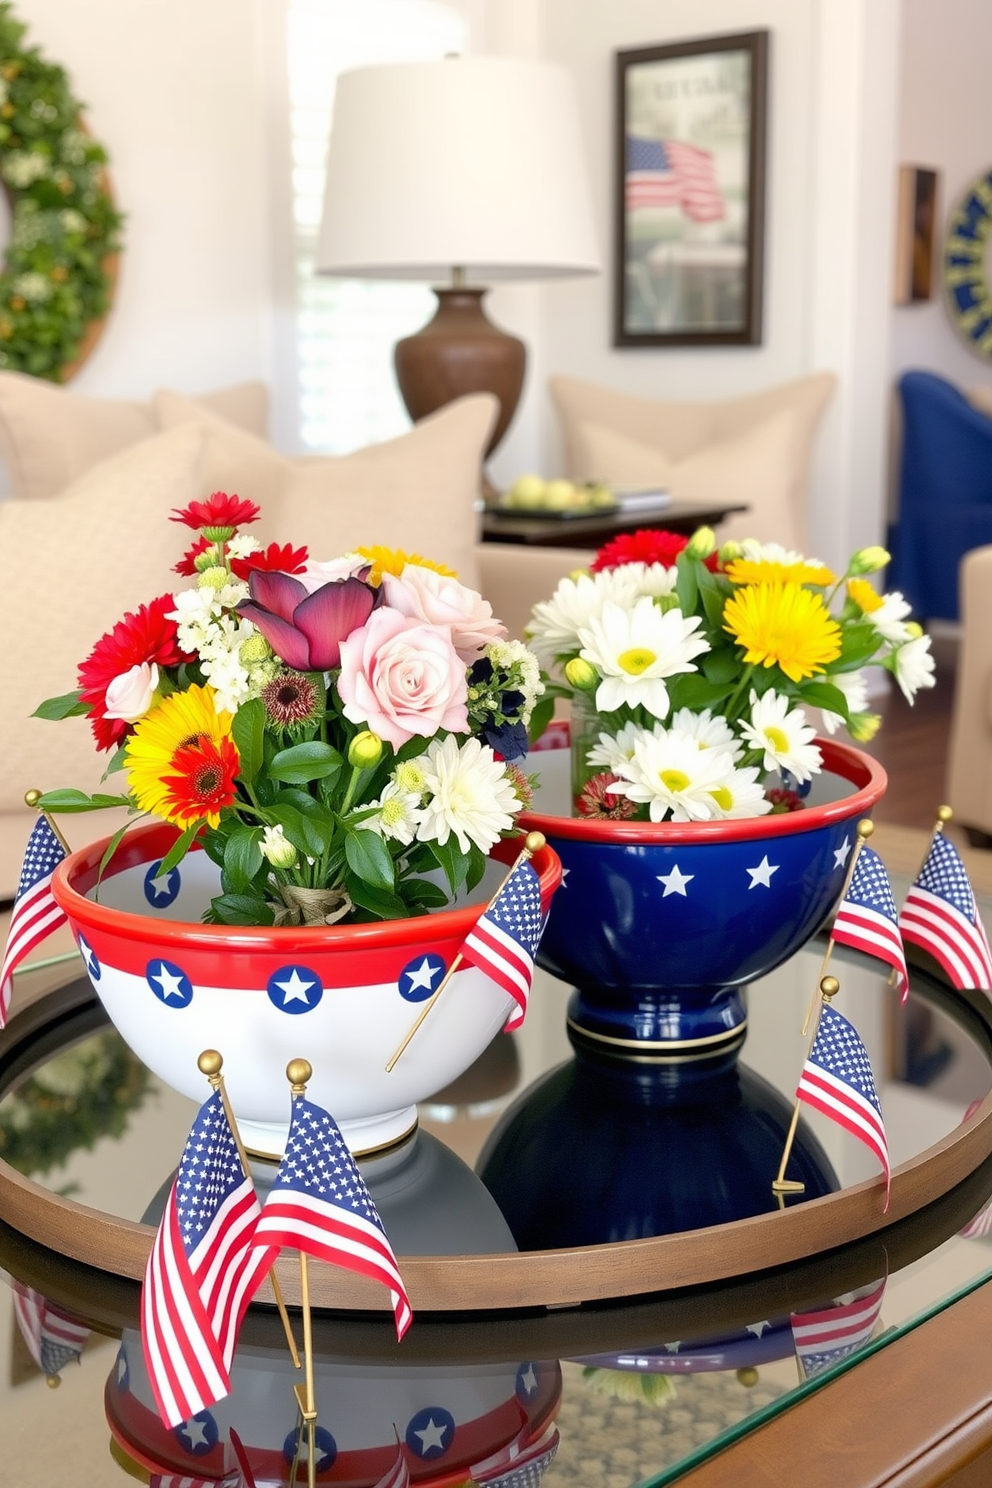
698 665
340 735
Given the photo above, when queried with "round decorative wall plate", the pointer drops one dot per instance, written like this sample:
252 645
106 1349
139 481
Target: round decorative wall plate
969 300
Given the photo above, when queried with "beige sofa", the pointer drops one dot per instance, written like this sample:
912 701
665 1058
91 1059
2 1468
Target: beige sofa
969 772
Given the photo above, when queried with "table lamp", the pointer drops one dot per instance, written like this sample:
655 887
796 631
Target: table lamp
461 172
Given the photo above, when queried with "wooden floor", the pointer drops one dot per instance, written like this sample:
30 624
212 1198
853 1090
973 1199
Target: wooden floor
912 746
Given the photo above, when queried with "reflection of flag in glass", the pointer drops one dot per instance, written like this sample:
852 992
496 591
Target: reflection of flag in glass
867 918
183 1480
940 915
202 1271
518 1466
832 1333
53 1338
837 1080
398 1476
319 1204
670 173
504 942
35 913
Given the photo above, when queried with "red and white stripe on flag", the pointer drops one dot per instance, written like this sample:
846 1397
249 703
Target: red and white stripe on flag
867 930
960 947
35 914
191 1306
836 1099
501 957
41 1322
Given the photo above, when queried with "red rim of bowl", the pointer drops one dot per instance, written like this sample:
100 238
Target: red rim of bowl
839 759
146 844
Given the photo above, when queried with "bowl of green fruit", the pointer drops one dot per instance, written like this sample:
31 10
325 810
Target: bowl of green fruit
531 495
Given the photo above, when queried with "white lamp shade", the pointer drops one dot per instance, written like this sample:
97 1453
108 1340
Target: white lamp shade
471 162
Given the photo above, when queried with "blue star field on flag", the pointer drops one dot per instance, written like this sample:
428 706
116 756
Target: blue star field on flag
504 941
940 916
35 914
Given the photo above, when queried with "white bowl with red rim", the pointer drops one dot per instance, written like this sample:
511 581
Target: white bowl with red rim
342 997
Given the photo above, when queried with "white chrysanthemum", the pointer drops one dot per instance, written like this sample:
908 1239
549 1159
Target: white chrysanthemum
242 544
889 618
555 623
519 659
741 795
615 750
759 552
710 732
469 795
783 735
409 776
652 578
635 648
675 776
855 688
913 666
398 815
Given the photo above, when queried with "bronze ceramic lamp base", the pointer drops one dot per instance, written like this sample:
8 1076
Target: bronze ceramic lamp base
460 351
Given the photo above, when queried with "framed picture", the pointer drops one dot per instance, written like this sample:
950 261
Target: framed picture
915 222
690 192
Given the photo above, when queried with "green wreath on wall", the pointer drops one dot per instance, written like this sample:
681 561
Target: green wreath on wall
59 270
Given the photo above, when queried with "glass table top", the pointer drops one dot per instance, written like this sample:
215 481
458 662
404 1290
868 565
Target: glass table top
621 1394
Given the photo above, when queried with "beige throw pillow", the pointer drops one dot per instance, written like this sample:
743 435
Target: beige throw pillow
416 492
69 569
49 436
980 398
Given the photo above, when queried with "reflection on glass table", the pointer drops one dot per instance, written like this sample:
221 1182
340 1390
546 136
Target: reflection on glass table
634 1390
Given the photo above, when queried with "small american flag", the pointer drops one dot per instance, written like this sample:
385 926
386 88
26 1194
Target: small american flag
832 1333
35 914
670 173
940 915
504 940
202 1272
319 1204
868 919
183 1480
516 1466
837 1080
53 1338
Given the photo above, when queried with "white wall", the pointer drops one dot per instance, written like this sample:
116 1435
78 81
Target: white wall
945 122
174 90
828 230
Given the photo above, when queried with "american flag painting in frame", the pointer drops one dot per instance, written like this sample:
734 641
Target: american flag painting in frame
689 192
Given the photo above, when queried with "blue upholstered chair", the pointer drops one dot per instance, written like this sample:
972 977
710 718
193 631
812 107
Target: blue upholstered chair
945 493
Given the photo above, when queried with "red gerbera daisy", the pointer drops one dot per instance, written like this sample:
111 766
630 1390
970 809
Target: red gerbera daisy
200 781
220 513
596 801
187 563
644 546
276 558
145 636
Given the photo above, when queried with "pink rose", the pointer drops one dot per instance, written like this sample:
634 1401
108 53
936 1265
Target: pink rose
441 600
131 693
400 677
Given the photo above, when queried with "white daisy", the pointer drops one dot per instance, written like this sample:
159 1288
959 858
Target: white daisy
855 688
653 578
469 795
674 776
783 735
242 544
635 649
912 665
615 750
709 732
741 795
889 618
759 552
398 815
555 623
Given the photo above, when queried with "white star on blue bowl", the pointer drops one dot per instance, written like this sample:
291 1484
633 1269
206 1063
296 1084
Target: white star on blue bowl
421 977
170 983
295 989
161 888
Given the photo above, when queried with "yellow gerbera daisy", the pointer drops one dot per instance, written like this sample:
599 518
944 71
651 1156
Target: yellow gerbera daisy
394 560
182 720
744 571
865 595
783 625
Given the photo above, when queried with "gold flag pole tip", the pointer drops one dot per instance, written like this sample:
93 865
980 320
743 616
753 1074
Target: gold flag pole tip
865 828
944 815
210 1063
534 841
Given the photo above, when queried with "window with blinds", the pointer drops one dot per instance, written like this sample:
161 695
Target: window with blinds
346 328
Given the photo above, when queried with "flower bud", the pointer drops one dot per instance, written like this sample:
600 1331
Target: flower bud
729 551
130 695
365 750
214 577
207 559
277 849
255 649
864 726
702 543
581 675
913 630
868 560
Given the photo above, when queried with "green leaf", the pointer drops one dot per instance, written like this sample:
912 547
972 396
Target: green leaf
248 730
69 799
422 894
452 860
540 718
714 593
117 762
179 849
823 695
305 762
109 851
310 832
376 901
243 857
696 692
241 909
858 643
66 706
476 867
686 585
369 859
721 666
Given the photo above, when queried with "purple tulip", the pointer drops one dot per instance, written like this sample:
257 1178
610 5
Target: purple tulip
306 630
